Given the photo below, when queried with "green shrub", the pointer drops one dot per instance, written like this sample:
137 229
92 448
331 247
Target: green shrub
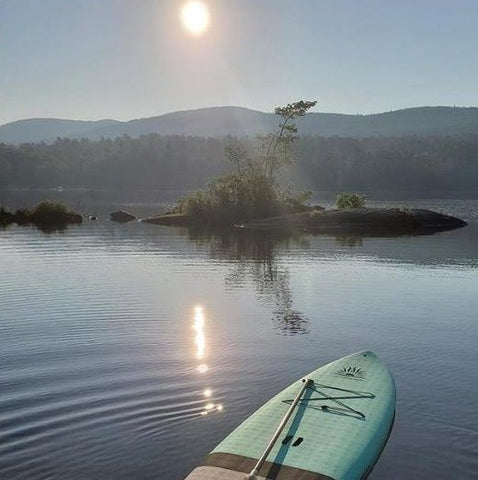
295 202
238 198
350 200
23 216
48 216
6 218
53 213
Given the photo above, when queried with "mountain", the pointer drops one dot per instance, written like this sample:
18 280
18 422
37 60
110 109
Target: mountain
422 121
48 129
238 121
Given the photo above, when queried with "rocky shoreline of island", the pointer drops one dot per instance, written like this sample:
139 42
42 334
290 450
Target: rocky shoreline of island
361 220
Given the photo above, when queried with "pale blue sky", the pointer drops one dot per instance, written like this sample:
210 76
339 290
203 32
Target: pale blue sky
124 59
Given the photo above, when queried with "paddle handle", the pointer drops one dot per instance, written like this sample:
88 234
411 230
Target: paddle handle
273 440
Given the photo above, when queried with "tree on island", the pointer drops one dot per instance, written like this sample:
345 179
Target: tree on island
252 190
277 145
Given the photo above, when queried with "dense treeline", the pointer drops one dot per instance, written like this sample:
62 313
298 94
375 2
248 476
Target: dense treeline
151 161
423 164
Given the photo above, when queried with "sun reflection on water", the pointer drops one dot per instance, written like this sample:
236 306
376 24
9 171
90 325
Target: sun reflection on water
202 368
198 326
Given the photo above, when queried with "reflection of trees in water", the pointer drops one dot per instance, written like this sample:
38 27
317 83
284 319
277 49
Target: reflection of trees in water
287 319
253 255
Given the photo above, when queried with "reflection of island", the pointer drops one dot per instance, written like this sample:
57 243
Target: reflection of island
202 368
253 255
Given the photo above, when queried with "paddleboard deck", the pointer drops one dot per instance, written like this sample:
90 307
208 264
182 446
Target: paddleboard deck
337 431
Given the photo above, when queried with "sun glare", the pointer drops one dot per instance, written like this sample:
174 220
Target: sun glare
195 17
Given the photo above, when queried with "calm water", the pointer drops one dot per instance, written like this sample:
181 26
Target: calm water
107 373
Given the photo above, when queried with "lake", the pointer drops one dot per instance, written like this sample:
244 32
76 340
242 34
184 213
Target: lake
107 373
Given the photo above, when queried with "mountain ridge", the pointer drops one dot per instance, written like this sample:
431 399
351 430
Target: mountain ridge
240 121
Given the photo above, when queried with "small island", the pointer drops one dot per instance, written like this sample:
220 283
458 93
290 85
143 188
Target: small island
47 216
251 197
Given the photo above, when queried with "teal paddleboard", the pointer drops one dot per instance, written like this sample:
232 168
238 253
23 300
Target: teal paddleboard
335 423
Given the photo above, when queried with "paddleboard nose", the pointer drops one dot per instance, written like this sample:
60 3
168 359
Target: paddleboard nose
367 353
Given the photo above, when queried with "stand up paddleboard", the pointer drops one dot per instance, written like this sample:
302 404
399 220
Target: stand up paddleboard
330 425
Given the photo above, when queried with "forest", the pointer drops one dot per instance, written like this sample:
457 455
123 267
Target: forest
424 164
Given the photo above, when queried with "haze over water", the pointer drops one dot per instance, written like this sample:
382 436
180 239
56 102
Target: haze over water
130 351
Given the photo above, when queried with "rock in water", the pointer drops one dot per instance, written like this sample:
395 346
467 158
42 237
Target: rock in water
175 219
122 217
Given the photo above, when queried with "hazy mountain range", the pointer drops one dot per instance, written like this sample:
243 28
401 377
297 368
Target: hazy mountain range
238 121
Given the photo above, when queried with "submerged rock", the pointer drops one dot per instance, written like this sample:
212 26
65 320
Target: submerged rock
122 217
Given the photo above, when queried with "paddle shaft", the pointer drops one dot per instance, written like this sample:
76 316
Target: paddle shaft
262 459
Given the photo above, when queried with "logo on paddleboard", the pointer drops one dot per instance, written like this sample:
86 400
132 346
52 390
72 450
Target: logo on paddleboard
353 373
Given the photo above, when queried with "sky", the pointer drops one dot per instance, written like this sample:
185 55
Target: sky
126 59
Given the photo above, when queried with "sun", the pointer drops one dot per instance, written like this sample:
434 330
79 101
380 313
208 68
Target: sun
195 17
